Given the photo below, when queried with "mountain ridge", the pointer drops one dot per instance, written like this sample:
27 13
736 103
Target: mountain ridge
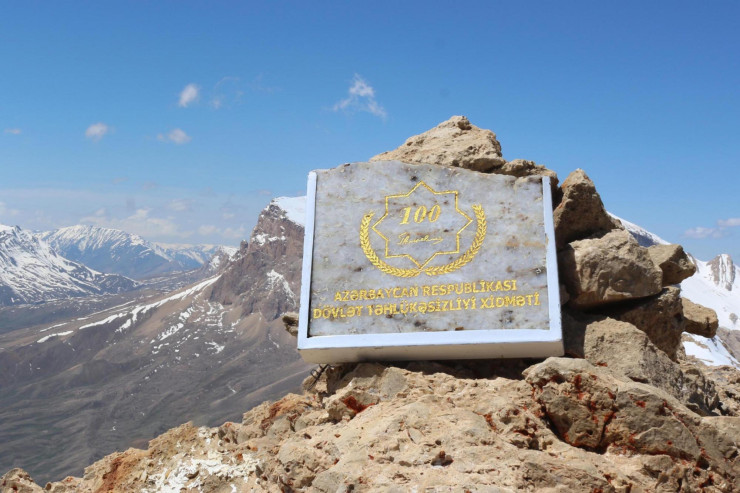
115 251
32 272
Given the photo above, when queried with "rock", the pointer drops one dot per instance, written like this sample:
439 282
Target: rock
18 480
290 320
592 408
660 317
455 142
673 261
434 428
581 212
727 381
607 269
522 167
624 348
699 320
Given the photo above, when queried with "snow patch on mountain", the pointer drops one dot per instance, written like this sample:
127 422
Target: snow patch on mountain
58 334
644 237
294 207
710 351
706 288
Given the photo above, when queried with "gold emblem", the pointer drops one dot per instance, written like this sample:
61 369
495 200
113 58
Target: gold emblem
410 230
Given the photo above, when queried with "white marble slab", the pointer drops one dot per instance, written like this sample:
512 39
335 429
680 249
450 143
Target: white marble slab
401 256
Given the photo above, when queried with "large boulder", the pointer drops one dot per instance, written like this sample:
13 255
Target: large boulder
19 481
660 317
455 142
581 212
608 269
673 261
699 320
624 348
592 408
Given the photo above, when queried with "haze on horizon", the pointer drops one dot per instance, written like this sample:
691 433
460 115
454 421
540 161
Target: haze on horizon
179 122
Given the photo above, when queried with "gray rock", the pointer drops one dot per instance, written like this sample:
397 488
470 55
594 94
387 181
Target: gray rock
673 261
607 269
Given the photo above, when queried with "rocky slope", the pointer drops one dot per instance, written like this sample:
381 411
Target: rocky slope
31 272
626 411
75 390
117 252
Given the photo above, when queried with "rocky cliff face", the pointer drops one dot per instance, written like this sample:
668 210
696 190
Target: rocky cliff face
626 411
265 275
723 271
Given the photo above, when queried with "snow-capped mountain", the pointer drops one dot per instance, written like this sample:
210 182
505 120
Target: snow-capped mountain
118 252
120 376
716 285
31 272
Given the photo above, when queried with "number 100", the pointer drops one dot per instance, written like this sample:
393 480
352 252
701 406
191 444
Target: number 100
421 213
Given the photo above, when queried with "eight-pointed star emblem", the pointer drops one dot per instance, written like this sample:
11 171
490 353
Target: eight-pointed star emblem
421 224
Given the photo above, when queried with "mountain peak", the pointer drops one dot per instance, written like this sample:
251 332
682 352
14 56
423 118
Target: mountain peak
723 271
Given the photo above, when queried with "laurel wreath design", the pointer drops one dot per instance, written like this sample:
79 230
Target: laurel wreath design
480 234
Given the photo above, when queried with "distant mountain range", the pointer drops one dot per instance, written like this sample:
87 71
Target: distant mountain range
118 252
32 272
75 389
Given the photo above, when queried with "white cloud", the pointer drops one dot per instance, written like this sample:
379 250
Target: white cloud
729 223
6 211
96 131
140 223
235 233
227 92
701 233
361 97
13 131
176 136
720 231
206 230
188 95
179 205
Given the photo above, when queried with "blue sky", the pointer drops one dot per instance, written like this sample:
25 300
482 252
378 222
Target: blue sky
180 120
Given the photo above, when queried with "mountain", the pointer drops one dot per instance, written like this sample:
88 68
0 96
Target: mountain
265 275
716 285
77 389
114 251
31 272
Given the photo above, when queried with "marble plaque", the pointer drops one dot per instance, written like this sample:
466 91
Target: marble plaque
407 261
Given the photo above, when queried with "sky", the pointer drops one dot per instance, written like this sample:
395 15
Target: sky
179 121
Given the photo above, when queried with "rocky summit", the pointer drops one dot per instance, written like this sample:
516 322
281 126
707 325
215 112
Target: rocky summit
625 411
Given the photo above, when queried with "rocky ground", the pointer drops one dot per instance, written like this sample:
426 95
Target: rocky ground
624 411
